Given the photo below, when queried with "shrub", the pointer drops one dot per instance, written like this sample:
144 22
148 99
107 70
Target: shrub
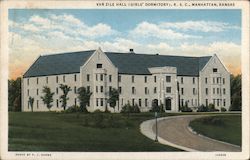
212 121
156 108
73 109
223 109
202 108
185 109
97 111
127 108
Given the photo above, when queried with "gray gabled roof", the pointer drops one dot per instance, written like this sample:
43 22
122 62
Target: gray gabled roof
127 63
55 64
130 63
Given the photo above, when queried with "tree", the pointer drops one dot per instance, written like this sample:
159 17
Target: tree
64 98
113 97
48 97
235 93
14 94
31 102
84 97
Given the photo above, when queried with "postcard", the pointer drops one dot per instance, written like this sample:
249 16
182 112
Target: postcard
124 80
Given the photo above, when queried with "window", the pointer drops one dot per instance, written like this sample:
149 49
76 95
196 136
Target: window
215 70
155 90
218 80
101 77
224 91
182 102
192 102
133 101
206 91
75 78
37 103
57 103
47 80
214 101
37 91
101 89
75 90
193 80
110 78
218 102
28 92
139 102
223 80
56 90
56 79
168 89
205 80
75 101
63 78
110 88
119 78
37 80
146 90
182 91
133 90
88 88
96 77
145 79
193 91
218 91
133 79
96 101
206 102
98 65
155 79
96 89
101 101
88 77
168 78
213 80
120 90
224 102
146 102
181 80
213 90
28 81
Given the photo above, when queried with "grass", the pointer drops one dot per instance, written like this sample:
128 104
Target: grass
225 128
49 131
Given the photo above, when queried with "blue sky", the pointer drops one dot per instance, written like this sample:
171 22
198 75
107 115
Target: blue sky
184 32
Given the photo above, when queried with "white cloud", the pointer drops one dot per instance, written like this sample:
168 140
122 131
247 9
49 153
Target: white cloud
146 29
203 26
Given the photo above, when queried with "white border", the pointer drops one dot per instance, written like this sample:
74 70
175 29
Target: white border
5 5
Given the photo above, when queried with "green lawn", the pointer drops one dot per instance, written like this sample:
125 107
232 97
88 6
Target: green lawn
226 128
49 131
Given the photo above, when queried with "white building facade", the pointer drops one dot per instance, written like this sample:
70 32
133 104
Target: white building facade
141 79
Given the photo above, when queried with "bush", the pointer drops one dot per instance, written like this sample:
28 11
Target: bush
185 109
212 121
73 109
127 108
223 109
202 108
156 108
97 111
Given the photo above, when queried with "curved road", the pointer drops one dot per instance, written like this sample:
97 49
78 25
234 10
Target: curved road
174 131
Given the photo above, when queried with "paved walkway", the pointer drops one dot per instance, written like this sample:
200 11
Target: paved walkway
174 131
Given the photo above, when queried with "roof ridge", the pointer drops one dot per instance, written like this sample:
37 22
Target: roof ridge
53 54
154 54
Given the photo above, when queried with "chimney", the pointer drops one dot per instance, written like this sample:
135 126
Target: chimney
131 50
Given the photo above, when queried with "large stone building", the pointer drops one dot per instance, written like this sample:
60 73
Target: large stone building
140 78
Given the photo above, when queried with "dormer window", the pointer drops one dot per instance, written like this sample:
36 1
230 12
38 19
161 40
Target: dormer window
98 65
215 70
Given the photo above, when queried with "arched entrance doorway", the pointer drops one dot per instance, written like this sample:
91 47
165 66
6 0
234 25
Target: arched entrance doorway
168 105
